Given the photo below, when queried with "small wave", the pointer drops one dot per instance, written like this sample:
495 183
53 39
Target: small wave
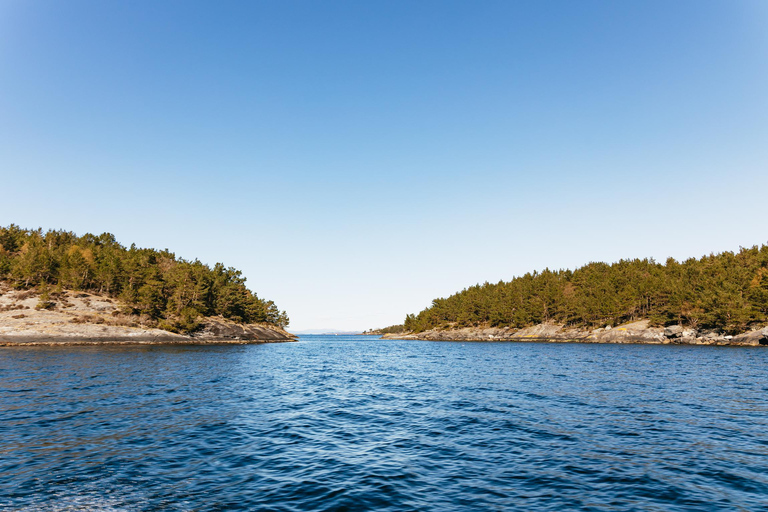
347 426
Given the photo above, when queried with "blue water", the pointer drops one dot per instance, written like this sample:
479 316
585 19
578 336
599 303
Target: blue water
355 423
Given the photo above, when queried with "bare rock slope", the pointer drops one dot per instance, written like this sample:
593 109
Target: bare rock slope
84 318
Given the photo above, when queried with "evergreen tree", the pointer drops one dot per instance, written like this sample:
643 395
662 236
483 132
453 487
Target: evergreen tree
156 284
727 291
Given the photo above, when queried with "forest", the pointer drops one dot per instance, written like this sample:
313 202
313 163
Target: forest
173 292
727 292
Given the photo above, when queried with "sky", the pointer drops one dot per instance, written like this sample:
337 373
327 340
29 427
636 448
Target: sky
357 159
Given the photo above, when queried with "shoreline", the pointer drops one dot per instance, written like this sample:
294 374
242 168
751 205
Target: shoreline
633 333
216 332
47 341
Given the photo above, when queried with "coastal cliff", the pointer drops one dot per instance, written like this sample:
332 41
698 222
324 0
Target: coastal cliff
635 332
77 318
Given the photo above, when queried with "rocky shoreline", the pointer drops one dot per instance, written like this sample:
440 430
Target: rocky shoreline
215 332
636 332
89 319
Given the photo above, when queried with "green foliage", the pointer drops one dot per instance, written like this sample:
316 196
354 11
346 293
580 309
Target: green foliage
44 301
170 290
726 291
392 329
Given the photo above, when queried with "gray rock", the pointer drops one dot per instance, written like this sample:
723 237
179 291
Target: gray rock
754 338
673 331
221 329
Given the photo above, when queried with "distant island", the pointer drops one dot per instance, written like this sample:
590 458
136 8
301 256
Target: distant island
720 299
57 287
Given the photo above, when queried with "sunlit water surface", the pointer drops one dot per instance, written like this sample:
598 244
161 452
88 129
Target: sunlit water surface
355 423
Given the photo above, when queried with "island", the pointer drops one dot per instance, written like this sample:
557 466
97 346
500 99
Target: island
59 288
719 299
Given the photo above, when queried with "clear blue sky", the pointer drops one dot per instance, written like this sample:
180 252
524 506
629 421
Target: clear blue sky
358 159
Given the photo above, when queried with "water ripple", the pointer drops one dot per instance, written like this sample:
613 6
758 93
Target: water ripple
352 423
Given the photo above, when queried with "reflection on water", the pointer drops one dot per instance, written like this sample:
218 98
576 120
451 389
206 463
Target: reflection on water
354 423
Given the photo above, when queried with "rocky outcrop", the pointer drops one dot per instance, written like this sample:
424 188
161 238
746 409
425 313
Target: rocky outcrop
635 332
756 337
225 330
89 319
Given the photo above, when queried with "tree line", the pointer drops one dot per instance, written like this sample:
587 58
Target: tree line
172 291
392 329
727 292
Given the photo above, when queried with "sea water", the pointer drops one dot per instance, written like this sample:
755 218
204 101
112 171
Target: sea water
358 423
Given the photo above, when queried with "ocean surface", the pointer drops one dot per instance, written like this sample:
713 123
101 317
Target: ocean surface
356 423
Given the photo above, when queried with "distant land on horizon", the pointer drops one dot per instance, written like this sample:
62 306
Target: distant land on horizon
324 331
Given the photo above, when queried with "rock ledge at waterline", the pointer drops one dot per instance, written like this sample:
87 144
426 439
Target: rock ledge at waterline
635 332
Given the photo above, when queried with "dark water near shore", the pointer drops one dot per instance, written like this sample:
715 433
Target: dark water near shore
352 423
